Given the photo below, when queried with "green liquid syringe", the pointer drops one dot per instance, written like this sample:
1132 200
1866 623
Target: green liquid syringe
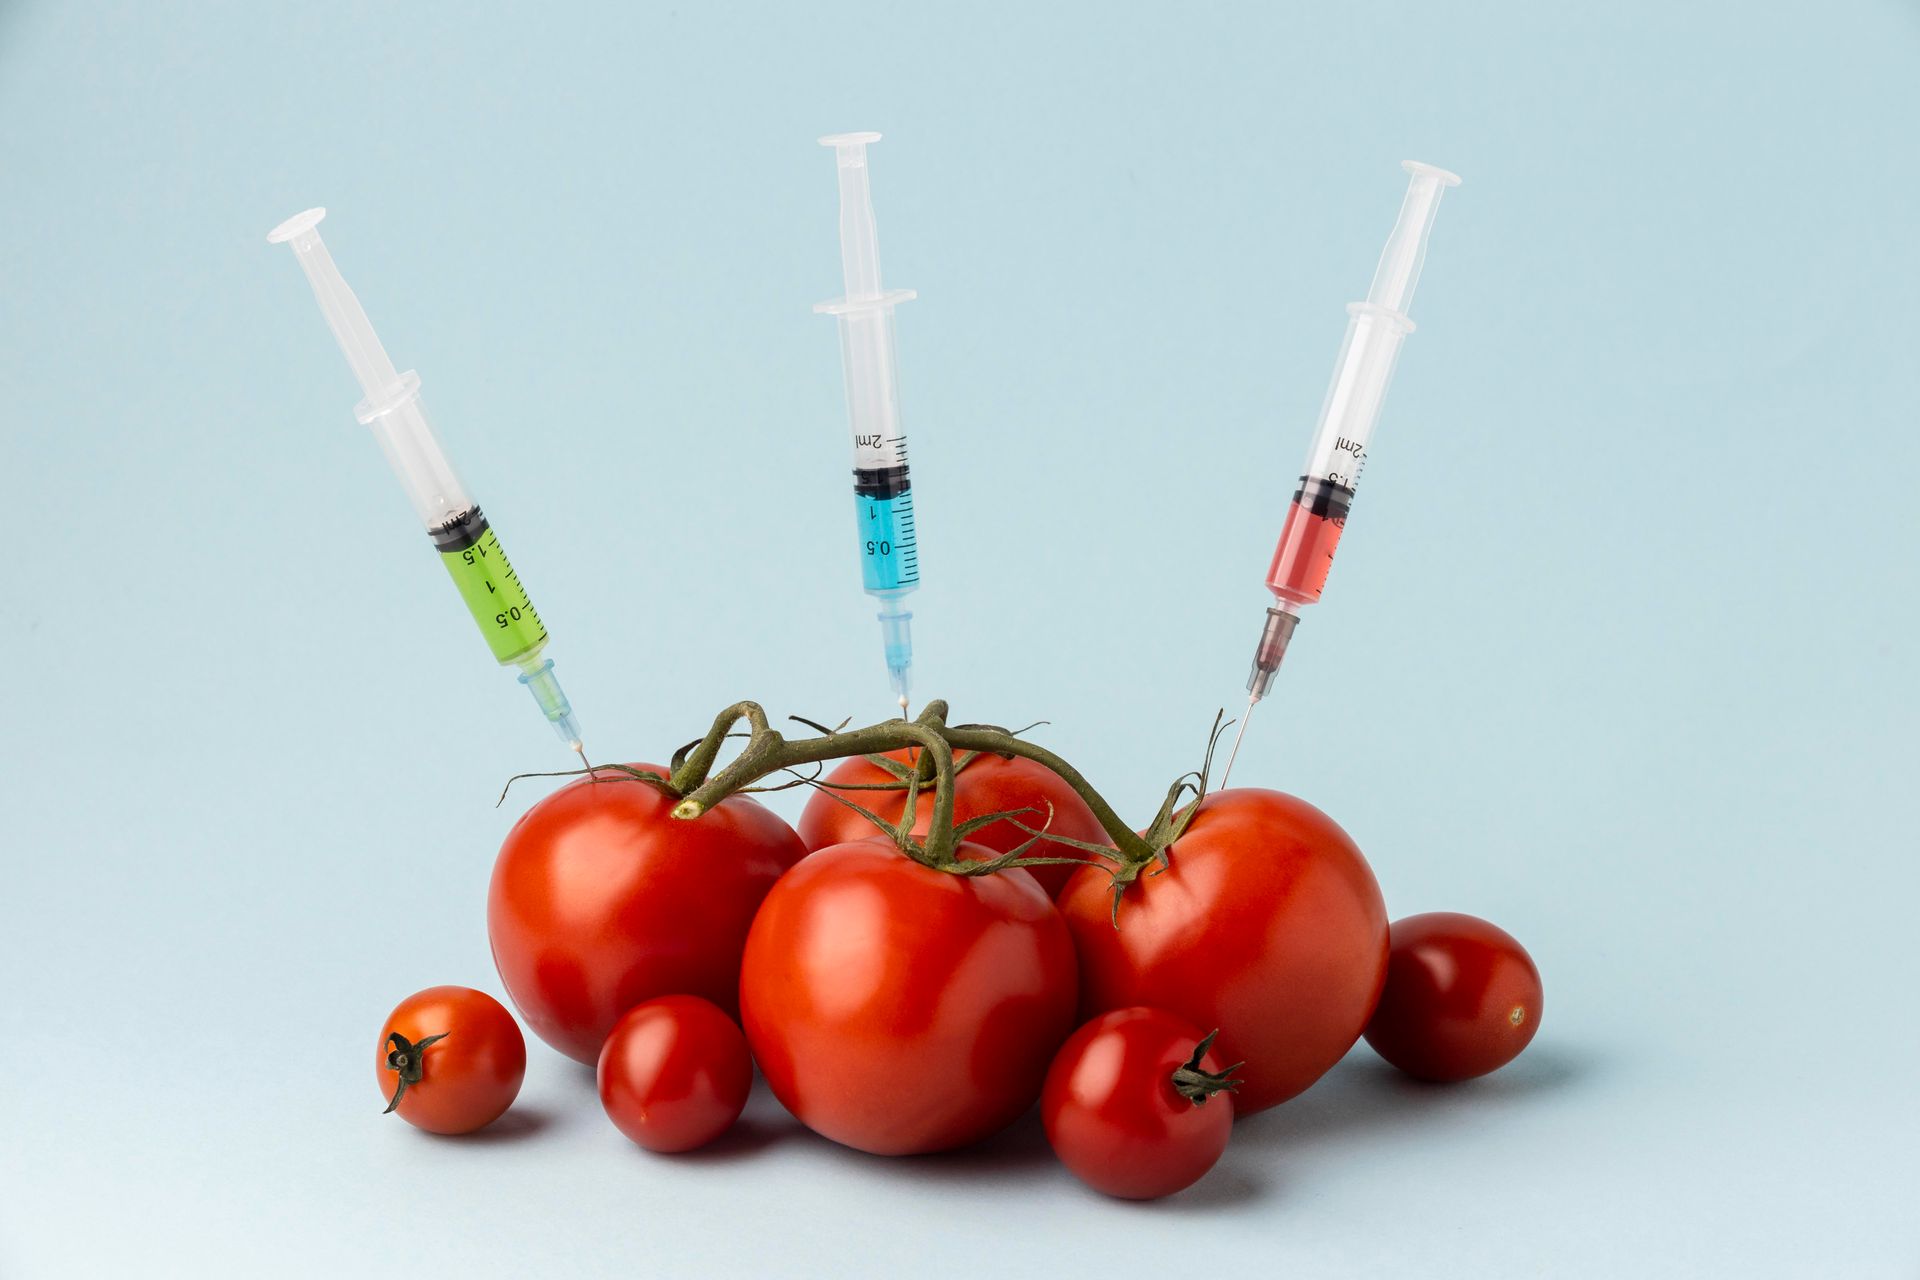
467 544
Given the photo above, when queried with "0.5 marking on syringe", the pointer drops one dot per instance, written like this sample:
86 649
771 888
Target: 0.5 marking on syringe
471 551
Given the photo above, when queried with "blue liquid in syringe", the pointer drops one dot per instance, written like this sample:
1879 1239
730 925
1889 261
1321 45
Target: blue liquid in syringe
889 550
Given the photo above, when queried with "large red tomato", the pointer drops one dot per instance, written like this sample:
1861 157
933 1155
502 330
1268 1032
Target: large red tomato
1266 923
988 784
898 1009
601 900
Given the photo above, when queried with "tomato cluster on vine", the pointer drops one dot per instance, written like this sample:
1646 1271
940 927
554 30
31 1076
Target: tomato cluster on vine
959 929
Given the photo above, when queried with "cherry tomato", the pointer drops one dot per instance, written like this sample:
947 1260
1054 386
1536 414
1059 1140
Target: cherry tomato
1265 923
674 1073
1462 998
1137 1105
600 900
988 784
898 1009
450 1059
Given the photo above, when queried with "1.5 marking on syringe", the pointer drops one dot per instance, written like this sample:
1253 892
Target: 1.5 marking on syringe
469 549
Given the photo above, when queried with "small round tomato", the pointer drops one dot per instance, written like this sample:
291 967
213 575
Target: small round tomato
450 1059
986 784
1130 1104
1265 922
601 899
1462 998
674 1073
899 1009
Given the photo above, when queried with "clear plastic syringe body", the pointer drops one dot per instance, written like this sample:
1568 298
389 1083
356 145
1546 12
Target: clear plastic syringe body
469 548
888 541
1317 515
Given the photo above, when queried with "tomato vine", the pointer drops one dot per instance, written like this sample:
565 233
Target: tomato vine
939 751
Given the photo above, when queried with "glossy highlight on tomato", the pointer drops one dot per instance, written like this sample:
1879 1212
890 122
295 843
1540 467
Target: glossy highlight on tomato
1463 998
900 1009
600 900
987 784
674 1073
1266 923
450 1060
1133 1109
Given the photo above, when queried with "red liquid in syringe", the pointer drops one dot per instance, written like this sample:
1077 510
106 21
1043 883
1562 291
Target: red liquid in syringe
1315 521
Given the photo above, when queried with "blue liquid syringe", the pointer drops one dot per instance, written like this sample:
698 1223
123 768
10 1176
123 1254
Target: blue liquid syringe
883 494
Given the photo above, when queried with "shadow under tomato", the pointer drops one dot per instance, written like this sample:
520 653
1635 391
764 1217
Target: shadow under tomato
1016 1154
1362 1096
749 1136
1361 1100
518 1124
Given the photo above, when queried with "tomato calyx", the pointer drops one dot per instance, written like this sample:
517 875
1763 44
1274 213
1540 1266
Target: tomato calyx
1154 851
408 1060
932 855
1197 1084
916 771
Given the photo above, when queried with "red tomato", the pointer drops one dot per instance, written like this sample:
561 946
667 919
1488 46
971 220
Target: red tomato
899 1009
674 1073
450 1059
1133 1109
1462 998
988 784
1266 923
601 900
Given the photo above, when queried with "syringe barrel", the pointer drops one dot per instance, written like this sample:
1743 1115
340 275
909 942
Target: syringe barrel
470 550
865 313
1361 375
882 485
1362 372
414 452
1375 330
873 388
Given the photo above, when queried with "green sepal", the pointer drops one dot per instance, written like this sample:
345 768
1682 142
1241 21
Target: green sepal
964 829
408 1062
896 831
1195 1083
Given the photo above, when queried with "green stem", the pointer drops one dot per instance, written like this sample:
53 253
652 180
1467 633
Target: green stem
694 770
768 751
999 742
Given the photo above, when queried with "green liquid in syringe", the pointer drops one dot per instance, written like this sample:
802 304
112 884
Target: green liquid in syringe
490 587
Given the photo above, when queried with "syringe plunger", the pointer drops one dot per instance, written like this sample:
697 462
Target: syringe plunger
1406 252
345 316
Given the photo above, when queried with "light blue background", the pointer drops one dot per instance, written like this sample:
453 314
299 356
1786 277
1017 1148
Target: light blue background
1618 653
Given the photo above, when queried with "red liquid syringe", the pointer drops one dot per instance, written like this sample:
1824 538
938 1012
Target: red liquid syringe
1318 514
